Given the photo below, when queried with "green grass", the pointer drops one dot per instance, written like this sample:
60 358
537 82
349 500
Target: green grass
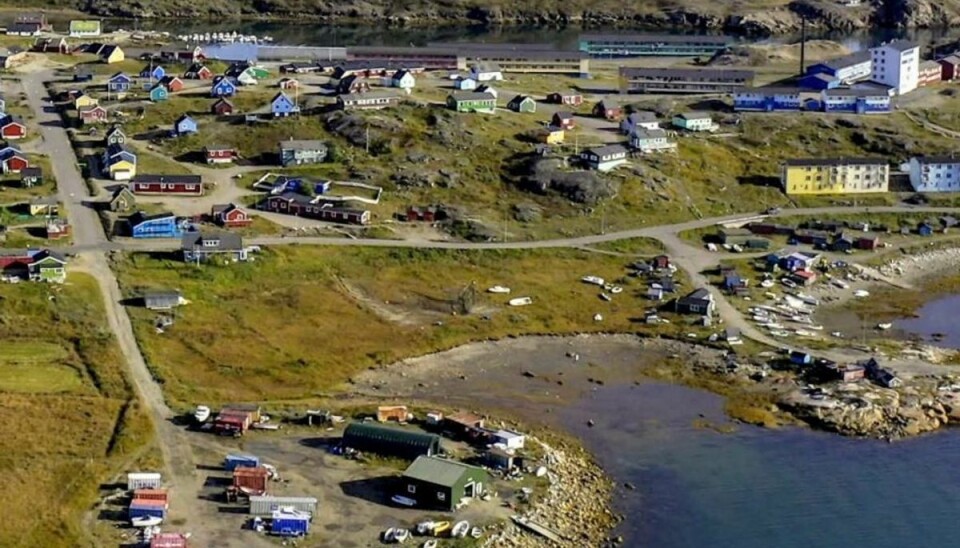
56 448
632 246
302 320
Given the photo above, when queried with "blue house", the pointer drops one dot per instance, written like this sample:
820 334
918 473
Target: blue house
154 72
223 87
925 229
160 225
800 358
159 93
283 105
857 101
184 125
119 83
767 99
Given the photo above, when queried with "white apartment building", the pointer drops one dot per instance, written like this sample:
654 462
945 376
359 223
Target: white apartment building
896 64
935 173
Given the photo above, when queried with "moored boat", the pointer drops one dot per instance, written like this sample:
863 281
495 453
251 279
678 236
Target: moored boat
146 521
499 289
460 530
201 413
520 301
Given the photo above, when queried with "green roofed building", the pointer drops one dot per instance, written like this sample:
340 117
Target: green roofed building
441 483
390 442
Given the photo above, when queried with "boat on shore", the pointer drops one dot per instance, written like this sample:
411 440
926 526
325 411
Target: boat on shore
201 413
146 521
884 326
520 301
460 530
499 289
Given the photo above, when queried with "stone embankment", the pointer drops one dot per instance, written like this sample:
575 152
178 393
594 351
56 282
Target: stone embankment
575 504
920 265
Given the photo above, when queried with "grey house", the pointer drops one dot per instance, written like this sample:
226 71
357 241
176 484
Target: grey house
201 247
161 300
700 301
441 484
295 153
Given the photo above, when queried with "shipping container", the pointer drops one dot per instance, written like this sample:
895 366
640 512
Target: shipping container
143 480
266 505
250 409
150 494
169 540
142 509
252 481
289 523
232 462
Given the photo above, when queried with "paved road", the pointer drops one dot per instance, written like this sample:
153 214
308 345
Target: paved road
88 234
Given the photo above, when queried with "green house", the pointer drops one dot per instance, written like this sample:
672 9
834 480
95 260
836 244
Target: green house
159 93
390 442
522 103
472 101
47 266
259 72
441 484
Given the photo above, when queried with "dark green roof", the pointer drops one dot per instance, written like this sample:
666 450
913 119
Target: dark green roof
438 471
386 434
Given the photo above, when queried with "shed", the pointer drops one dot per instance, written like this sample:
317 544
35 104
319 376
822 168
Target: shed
161 300
499 459
169 540
393 442
508 439
143 480
266 504
441 483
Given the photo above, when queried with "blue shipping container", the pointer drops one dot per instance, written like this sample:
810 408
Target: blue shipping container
138 511
290 526
239 461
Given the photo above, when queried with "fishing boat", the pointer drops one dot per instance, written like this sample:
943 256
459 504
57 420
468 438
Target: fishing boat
766 284
389 534
837 334
616 289
805 333
146 521
432 543
460 530
789 283
498 289
595 280
201 413
520 301
778 333
476 532
400 535
861 293
425 528
440 528
808 299
884 326
840 283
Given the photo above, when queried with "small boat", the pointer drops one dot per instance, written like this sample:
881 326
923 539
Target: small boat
400 535
460 530
201 413
598 317
146 521
595 280
884 326
837 334
499 289
476 532
440 528
432 543
861 293
767 284
425 528
616 289
403 501
388 535
840 283
789 283
520 301
605 297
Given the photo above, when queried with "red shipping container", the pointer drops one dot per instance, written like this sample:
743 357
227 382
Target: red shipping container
168 540
150 494
143 503
251 480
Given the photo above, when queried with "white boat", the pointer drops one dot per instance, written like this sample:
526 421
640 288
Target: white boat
605 297
777 333
146 521
884 326
520 301
432 543
425 528
808 299
598 317
460 530
403 501
595 280
616 289
789 283
837 334
400 535
201 413
389 534
476 532
805 333
767 284
840 283
861 293
499 289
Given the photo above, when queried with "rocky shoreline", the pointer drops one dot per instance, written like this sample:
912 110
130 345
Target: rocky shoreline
689 14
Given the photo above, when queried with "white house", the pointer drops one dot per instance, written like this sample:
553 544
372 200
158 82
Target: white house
246 78
604 158
508 439
643 119
484 88
651 140
935 173
465 84
486 72
896 64
694 121
403 79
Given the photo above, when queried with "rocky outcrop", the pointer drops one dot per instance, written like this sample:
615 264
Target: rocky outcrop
917 13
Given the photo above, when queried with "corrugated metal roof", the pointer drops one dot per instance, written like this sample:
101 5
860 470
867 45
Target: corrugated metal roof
438 471
387 434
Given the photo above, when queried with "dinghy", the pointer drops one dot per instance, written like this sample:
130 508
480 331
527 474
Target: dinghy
460 530
520 301
146 521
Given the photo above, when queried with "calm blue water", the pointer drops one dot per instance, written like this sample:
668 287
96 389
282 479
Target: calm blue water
937 316
758 488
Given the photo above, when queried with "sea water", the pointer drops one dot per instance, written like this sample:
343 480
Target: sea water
786 488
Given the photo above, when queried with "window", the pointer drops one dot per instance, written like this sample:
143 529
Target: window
441 496
412 489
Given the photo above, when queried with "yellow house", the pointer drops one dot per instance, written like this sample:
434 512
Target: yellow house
834 176
552 136
84 101
44 206
111 54
122 170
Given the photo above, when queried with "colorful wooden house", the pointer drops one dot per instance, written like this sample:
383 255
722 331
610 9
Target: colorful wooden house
93 115
84 100
563 120
184 125
160 225
172 83
221 107
283 105
223 87
153 72
230 216
115 136
197 71
119 163
219 154
522 103
119 83
289 83
159 93
111 54
173 185
12 160
12 128
607 110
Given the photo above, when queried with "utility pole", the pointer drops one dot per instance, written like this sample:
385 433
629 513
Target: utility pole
367 140
803 43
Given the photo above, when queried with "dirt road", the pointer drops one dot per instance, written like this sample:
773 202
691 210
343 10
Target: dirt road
181 475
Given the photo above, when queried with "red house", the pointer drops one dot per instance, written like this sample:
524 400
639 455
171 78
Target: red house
661 261
292 203
607 110
177 185
868 242
172 83
219 154
289 83
563 120
222 107
950 68
11 128
15 162
93 115
15 263
566 98
230 216
426 214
